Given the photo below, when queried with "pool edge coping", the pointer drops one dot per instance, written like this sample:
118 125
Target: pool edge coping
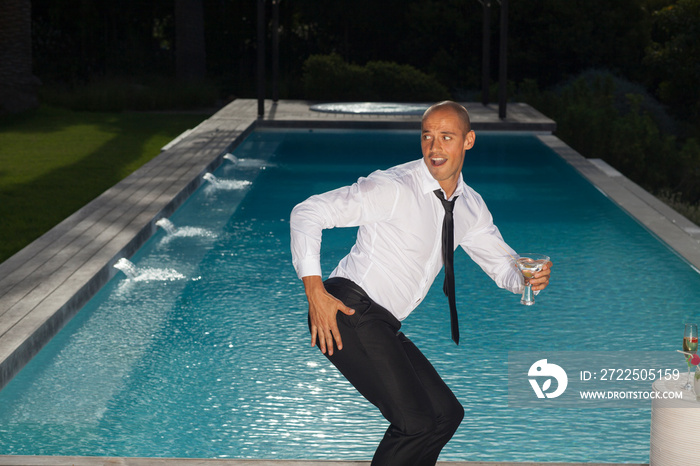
129 461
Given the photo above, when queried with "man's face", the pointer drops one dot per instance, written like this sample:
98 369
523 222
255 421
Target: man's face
444 141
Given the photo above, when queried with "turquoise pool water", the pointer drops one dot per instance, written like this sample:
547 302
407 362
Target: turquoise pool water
205 352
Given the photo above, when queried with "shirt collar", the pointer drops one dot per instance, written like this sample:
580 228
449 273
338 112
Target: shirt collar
430 184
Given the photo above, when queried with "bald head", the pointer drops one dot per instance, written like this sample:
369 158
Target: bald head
458 110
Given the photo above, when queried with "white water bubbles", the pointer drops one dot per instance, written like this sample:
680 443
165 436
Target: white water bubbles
147 274
166 225
172 232
247 163
225 184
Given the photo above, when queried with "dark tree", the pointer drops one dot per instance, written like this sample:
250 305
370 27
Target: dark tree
551 40
673 57
18 86
189 43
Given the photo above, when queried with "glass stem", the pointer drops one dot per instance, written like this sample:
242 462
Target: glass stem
528 295
690 381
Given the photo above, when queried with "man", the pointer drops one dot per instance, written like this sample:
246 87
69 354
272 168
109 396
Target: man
355 315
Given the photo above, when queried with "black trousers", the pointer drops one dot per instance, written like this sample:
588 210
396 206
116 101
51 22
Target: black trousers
392 373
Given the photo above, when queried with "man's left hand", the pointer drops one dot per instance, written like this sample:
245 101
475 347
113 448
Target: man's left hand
541 279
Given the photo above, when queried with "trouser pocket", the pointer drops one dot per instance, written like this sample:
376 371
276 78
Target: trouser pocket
356 298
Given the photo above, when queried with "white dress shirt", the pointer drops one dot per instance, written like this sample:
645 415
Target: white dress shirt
398 254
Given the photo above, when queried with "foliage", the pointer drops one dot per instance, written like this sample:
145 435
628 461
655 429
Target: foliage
552 40
19 88
688 172
77 42
391 81
673 56
444 37
686 209
54 161
357 30
593 118
330 77
120 94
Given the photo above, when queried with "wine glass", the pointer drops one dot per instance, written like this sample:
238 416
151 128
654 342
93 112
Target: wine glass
690 345
529 264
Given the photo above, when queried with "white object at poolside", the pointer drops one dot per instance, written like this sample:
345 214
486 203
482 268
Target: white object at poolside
371 108
674 427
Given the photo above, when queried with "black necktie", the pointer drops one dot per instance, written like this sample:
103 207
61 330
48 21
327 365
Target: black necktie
448 250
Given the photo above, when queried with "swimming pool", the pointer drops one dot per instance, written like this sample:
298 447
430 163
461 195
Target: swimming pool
205 352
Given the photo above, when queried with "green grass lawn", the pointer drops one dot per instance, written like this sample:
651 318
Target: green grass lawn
54 161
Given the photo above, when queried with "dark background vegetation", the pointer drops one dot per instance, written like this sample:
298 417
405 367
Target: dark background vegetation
621 78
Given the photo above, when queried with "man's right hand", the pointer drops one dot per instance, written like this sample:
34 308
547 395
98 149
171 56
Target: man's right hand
323 308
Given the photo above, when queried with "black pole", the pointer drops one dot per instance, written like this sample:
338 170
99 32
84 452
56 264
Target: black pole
486 49
261 58
503 62
275 49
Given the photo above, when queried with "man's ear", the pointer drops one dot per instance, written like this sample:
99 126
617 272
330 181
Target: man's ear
469 140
